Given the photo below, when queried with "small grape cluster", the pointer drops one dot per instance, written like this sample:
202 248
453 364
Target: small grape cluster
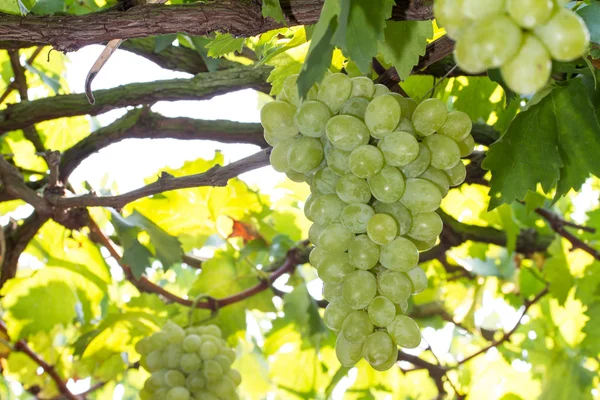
188 364
378 165
521 37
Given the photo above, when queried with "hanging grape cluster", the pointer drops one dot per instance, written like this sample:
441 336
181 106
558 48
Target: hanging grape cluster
188 364
378 166
521 37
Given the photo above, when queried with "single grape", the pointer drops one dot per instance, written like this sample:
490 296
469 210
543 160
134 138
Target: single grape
347 132
406 125
530 69
402 102
424 245
295 176
178 393
426 226
334 267
399 255
270 139
458 126
477 9
382 115
357 327
382 228
224 388
380 90
335 237
358 289
325 180
205 395
438 178
381 311
326 208
195 381
208 351
348 354
394 285
192 343
290 90
448 13
389 363
332 292
154 361
356 107
366 161
190 362
174 378
305 154
387 185
362 87
378 347
335 314
144 346
314 232
429 116
421 196
466 146
363 253
401 306
334 91
159 340
157 380
529 13
418 279
405 332
352 189
212 370
420 164
399 212
235 377
338 161
277 117
279 155
399 148
356 216
311 118
316 256
172 356
457 174
175 333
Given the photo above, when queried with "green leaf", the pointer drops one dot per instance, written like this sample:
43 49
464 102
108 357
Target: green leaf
272 9
13 7
557 273
591 16
224 43
199 43
533 200
405 42
163 41
366 22
337 377
592 330
45 7
51 82
474 97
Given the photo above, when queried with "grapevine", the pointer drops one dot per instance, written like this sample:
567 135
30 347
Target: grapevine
378 165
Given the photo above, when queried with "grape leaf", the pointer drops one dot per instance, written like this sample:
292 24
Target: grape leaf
366 23
272 8
591 16
161 42
556 271
13 7
224 43
168 248
592 330
405 42
474 97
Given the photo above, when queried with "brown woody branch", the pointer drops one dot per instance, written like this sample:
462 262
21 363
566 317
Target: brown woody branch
14 186
22 346
241 18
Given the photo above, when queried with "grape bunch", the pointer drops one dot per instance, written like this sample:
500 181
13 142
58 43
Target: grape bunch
521 37
188 364
378 165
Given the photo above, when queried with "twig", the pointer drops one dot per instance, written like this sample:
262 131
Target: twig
13 85
16 187
394 86
53 160
23 347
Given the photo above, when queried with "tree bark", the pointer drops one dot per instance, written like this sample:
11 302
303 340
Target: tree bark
241 18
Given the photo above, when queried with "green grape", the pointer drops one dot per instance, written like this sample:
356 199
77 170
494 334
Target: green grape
381 311
529 13
307 204
382 115
429 116
387 185
363 253
403 103
159 340
438 178
325 180
281 97
382 228
332 292
457 174
477 9
406 125
420 164
389 363
366 161
224 362
190 362
418 279
378 347
530 69
358 289
334 267
348 354
270 139
335 237
178 393
277 117
405 332
290 89
466 146
311 118
458 126
448 13
380 90
399 212
205 395
175 333
160 394
399 148
399 255
212 370
279 155
305 154
338 161
421 196
208 351
314 232
145 394
157 380
154 361
356 216
352 189
144 346
316 256
402 305
326 208
357 327
235 377
394 285
173 357
426 226
412 106
334 91
362 87
192 343
489 43
174 378
347 132
335 314
224 388
355 106
295 176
